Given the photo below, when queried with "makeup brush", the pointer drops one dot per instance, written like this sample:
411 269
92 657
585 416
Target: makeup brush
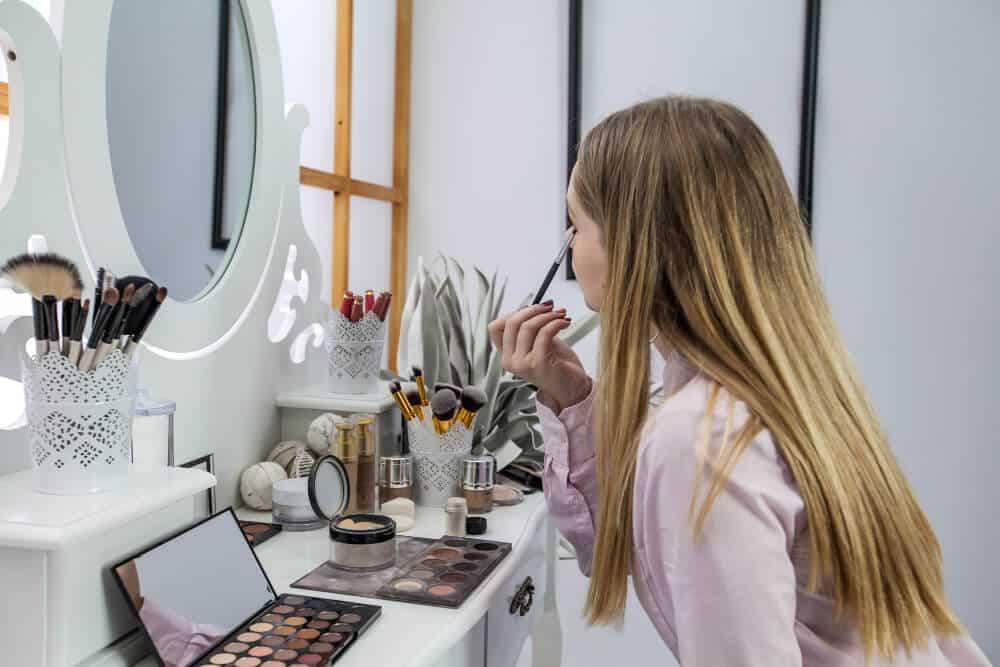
70 307
443 405
113 325
76 335
158 299
43 274
404 405
139 300
472 400
413 398
51 309
567 240
418 377
109 299
441 386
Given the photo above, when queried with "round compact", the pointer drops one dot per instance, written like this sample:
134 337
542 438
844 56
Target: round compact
291 507
357 541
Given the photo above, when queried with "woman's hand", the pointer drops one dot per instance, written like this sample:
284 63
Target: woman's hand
530 348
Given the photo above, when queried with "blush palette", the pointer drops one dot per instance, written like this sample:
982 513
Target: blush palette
294 631
446 572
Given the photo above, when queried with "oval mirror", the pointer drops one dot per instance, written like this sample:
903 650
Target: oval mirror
181 119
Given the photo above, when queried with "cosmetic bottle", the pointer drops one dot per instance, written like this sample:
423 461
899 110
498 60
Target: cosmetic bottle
477 483
345 448
455 512
364 434
395 478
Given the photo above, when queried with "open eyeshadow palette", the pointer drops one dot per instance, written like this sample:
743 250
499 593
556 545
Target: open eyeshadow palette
204 600
446 573
291 632
257 533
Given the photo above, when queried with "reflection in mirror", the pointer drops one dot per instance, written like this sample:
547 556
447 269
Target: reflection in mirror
181 131
195 588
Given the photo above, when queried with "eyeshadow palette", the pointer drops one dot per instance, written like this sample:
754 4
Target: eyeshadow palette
446 573
257 533
295 631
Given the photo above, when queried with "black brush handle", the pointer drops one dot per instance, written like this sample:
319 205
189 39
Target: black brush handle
545 284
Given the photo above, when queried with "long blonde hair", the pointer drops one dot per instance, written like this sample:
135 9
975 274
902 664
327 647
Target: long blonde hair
705 244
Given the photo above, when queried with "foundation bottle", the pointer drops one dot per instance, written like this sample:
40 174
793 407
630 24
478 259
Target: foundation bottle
477 483
364 434
345 448
395 478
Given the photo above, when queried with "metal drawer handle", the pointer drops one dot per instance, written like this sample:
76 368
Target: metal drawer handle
523 598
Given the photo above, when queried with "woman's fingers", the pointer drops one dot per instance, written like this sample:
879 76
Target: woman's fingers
529 331
543 341
513 325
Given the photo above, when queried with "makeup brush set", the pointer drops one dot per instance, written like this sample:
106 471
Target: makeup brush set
355 338
120 312
439 433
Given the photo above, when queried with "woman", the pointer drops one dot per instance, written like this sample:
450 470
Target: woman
760 511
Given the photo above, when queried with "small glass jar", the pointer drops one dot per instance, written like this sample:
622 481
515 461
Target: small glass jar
477 483
455 513
395 478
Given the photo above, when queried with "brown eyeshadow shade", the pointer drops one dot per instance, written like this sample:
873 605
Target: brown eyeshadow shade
274 663
329 615
285 654
294 599
272 641
465 567
310 659
248 637
454 577
447 554
222 659
307 633
282 609
305 611
284 631
297 644
248 662
261 651
461 544
321 647
433 562
475 556
342 627
235 647
295 620
422 574
255 528
272 618
350 618
331 637
319 625
441 590
261 627
486 546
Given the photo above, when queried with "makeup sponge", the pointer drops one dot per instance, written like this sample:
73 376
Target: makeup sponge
256 481
321 431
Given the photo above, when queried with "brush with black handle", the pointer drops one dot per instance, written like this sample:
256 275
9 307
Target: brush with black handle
111 328
40 275
540 294
133 343
76 335
109 299
137 304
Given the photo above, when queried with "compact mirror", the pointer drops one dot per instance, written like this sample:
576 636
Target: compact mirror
329 488
194 589
181 120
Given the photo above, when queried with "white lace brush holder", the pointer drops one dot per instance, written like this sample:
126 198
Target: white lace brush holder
354 351
437 460
79 424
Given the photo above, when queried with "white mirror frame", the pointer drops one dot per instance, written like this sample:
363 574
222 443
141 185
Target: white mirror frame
214 356
183 330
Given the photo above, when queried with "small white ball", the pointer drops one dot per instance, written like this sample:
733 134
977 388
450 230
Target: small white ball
256 481
321 432
285 452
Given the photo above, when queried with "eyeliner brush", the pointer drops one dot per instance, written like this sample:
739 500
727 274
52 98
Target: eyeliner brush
108 303
567 239
75 346
114 323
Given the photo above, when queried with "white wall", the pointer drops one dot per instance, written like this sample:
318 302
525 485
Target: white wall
907 222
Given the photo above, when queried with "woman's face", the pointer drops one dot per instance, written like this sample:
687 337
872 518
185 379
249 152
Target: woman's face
590 263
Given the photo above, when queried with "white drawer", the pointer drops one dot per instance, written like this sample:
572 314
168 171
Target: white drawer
507 629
